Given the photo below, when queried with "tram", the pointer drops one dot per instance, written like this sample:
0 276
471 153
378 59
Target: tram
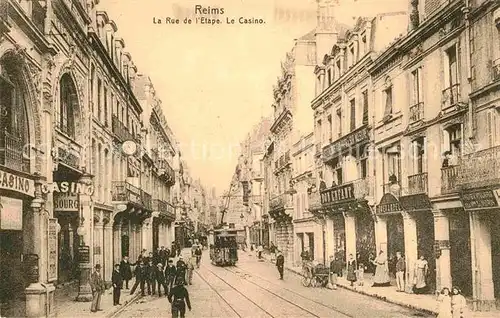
223 247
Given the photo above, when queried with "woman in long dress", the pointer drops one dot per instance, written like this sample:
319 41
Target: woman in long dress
421 269
351 269
381 277
459 307
444 300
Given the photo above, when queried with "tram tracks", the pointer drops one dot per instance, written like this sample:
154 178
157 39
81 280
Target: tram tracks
301 308
287 290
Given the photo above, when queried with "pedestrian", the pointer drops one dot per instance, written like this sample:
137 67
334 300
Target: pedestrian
140 278
170 274
125 270
260 249
156 257
459 307
190 269
179 298
181 268
117 280
381 277
335 268
272 250
305 255
163 256
360 274
160 279
98 288
198 254
151 278
178 248
280 263
444 299
400 272
351 269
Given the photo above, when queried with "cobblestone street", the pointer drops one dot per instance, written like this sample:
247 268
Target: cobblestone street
252 289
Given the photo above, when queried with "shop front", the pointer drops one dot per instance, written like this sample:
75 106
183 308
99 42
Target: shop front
309 235
279 209
416 235
483 206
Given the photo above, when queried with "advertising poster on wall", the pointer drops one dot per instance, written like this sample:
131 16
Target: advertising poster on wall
11 214
52 250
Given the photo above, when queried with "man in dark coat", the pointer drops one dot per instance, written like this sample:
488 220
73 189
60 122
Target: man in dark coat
198 254
170 274
125 270
179 298
151 278
163 256
335 269
181 267
116 279
140 278
98 288
160 279
280 263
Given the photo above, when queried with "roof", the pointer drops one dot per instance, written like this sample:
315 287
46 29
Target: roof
310 36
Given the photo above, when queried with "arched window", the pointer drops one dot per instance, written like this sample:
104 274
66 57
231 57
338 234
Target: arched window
68 100
13 117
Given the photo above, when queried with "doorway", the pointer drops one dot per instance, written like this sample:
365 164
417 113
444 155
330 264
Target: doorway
11 273
495 251
311 246
460 251
425 244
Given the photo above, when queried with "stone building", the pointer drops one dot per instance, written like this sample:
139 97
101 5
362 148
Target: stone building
71 150
343 128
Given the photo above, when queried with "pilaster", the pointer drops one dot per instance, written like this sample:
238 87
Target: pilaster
381 234
117 242
330 238
411 251
98 239
108 249
442 242
147 234
85 232
350 234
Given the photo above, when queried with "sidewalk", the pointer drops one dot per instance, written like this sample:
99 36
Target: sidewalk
66 306
426 303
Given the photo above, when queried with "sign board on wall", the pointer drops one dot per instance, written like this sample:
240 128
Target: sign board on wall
12 182
66 202
479 199
11 214
52 250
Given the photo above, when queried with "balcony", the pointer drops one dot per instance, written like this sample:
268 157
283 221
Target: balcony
11 153
120 131
164 208
166 171
417 112
495 69
418 183
449 177
357 189
356 138
480 169
451 96
126 192
314 199
146 200
282 201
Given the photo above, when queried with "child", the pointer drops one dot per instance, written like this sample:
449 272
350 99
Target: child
444 299
360 273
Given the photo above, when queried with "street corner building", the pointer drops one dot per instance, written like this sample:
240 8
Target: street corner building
88 162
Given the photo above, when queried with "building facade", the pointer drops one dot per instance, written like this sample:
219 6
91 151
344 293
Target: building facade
83 185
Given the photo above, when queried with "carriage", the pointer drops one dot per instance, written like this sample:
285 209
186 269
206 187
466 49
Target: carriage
223 247
315 275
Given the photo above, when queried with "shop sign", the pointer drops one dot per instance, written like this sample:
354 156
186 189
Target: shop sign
338 193
389 204
479 199
11 214
68 187
12 182
52 250
415 202
67 202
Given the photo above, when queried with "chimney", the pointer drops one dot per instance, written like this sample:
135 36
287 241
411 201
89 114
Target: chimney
414 15
326 28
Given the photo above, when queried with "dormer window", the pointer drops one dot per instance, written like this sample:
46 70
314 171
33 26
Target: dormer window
338 69
364 44
112 49
330 76
352 56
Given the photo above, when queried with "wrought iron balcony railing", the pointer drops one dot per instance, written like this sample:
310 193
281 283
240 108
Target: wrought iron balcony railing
480 169
126 192
417 112
357 189
418 183
165 208
119 129
451 96
281 201
11 153
449 177
166 171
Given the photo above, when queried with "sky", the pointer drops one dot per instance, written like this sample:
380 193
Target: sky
215 81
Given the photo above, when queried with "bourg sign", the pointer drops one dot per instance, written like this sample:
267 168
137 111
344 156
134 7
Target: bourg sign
67 202
12 182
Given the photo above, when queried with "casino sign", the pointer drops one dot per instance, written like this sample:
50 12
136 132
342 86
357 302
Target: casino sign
16 183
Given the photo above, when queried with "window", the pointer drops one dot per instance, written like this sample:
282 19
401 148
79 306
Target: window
319 132
352 56
419 155
112 48
452 66
454 134
392 165
364 44
339 122
99 92
330 128
329 75
92 80
105 107
388 102
67 103
338 69
352 103
493 123
416 87
319 88
337 168
364 95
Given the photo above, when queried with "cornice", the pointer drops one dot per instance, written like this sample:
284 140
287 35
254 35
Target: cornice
286 113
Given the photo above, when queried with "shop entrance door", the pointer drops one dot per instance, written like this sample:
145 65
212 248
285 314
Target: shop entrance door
11 273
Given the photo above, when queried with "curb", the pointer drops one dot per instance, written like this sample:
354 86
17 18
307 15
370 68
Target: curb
119 309
383 298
